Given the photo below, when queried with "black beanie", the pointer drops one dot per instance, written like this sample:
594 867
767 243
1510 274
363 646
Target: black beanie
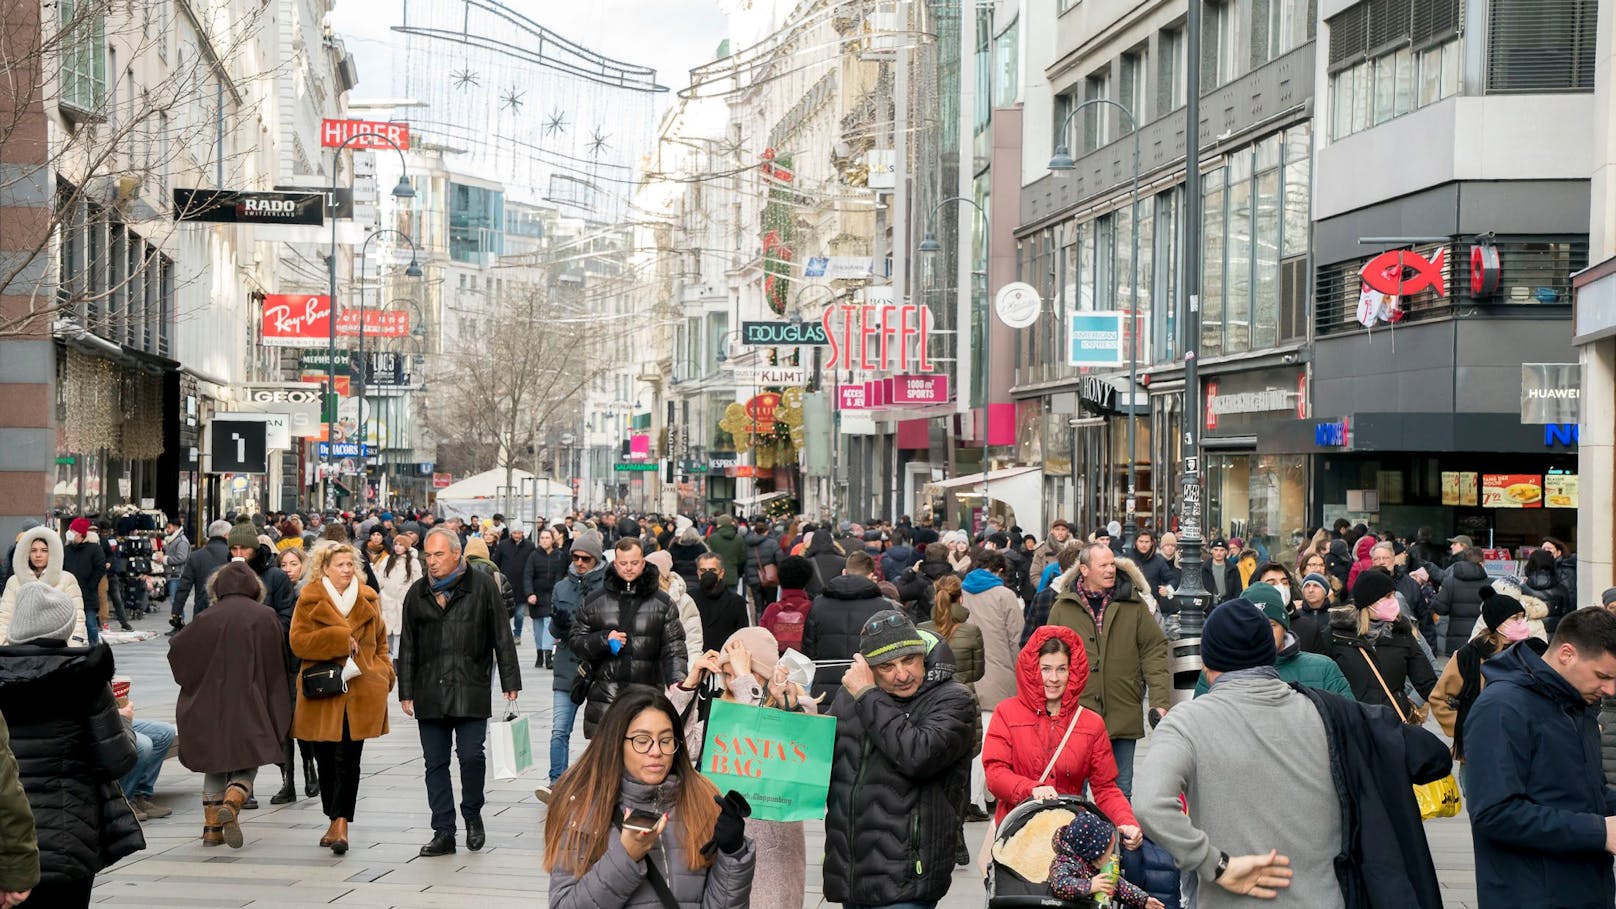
1237 636
1372 586
1496 608
795 573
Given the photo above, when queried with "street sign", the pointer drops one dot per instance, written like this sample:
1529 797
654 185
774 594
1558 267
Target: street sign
783 334
317 359
238 446
225 206
335 132
646 467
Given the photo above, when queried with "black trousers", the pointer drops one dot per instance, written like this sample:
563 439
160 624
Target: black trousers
339 774
69 894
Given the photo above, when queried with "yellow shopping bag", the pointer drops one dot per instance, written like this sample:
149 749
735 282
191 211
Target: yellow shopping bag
1438 799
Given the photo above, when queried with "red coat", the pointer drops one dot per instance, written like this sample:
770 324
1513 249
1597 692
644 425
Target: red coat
1022 736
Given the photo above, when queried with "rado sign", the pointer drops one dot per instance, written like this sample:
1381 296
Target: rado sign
243 207
783 334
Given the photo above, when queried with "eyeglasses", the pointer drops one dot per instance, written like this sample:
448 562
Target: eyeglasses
892 621
642 743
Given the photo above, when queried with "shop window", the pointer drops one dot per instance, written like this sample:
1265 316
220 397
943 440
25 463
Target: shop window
1541 45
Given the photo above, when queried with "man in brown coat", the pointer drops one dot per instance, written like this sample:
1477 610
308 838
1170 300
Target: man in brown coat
233 707
1107 601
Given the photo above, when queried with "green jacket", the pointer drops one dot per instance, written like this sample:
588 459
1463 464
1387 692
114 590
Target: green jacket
969 654
19 848
731 547
1310 669
1132 652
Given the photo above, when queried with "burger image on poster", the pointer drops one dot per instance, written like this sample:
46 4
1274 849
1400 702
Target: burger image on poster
1017 304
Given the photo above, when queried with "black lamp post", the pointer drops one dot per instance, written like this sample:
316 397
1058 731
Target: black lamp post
412 271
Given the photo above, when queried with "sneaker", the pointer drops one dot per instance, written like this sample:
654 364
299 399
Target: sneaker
542 794
146 809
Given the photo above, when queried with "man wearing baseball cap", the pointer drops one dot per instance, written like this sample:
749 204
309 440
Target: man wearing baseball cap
903 752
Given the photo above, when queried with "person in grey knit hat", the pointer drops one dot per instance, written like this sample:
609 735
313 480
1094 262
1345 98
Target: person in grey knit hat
43 614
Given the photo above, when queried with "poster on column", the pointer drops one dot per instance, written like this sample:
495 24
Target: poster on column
778 759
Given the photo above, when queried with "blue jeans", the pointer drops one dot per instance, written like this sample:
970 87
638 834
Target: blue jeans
467 736
1122 750
563 715
542 636
516 620
92 624
152 741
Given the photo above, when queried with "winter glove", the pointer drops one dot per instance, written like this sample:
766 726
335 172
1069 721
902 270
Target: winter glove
729 831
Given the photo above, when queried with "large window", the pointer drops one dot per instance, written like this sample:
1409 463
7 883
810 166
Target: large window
83 55
1097 117
1541 45
1278 26
1218 41
1389 57
1006 65
1170 71
1132 88
476 223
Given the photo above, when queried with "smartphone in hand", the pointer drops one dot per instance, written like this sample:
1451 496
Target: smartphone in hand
641 821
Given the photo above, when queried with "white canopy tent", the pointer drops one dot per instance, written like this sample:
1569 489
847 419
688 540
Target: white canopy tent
1015 493
525 498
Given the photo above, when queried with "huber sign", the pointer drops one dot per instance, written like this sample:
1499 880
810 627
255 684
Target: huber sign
335 132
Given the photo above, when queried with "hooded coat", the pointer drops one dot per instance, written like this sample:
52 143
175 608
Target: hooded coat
1023 735
995 610
900 771
655 653
234 708
568 599
53 575
71 747
690 617
1460 599
1131 646
320 633
835 623
731 547
1538 800
446 654
1361 561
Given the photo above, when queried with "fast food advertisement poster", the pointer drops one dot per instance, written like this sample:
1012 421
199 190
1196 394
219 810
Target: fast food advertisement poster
1511 490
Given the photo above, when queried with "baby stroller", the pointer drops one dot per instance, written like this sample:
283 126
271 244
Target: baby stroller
1024 848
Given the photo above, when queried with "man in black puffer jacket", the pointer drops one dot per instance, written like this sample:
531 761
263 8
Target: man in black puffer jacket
633 612
837 619
917 586
1459 600
900 769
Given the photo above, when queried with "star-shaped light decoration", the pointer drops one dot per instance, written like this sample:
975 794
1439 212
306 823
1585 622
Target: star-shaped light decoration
597 142
556 123
512 98
465 79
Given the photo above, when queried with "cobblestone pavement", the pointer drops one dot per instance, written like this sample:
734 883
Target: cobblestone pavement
281 865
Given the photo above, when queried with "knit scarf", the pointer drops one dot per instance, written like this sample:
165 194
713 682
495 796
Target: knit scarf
345 600
1470 657
1379 631
442 585
1097 601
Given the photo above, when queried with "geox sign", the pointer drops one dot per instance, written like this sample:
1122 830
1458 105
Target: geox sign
243 207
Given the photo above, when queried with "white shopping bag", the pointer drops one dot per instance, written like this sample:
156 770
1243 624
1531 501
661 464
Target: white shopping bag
510 749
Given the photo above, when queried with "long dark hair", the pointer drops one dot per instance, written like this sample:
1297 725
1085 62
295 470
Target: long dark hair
583 807
392 559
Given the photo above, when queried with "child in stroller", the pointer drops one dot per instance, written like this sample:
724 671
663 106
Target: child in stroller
1082 850
1031 855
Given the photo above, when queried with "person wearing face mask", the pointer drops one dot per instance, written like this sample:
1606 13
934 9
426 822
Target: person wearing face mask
1461 681
1373 634
723 611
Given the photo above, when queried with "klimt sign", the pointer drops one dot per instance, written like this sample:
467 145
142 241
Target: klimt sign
362 134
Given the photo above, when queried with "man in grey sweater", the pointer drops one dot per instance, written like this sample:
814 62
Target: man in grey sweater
1256 827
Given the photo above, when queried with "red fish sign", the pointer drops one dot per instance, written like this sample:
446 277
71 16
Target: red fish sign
1402 273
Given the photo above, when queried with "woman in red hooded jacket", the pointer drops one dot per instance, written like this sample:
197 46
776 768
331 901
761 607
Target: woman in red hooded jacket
1026 730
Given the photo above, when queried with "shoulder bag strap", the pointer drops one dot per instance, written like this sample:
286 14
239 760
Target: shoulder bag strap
655 879
1382 680
1059 748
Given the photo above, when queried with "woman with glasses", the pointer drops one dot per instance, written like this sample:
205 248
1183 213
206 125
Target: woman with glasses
633 823
585 576
1042 728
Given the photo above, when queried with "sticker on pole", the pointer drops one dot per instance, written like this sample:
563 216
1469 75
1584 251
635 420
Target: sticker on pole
1017 304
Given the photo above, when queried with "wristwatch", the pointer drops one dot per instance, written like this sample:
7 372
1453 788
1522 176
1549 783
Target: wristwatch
1223 865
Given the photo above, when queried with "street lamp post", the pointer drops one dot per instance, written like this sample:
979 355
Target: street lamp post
1061 164
403 190
835 411
930 246
412 271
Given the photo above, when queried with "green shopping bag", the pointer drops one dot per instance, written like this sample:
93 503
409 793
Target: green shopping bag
778 759
510 747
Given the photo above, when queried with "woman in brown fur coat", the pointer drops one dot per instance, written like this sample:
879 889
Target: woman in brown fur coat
338 618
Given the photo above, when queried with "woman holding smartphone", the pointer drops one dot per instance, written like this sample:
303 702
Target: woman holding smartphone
633 817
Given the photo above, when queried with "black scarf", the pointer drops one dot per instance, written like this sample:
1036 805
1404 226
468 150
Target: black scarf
1470 657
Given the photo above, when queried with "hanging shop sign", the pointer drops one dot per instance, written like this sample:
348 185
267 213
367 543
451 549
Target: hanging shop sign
931 389
1404 272
364 134
1486 273
761 410
277 427
1248 396
1511 490
228 206
299 402
771 375
839 268
1459 488
304 320
636 467
315 359
1551 392
1017 304
385 323
879 337
342 450
1095 339
238 446
851 397
781 334
1560 490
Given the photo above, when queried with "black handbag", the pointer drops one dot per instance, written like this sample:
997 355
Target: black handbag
324 680
579 692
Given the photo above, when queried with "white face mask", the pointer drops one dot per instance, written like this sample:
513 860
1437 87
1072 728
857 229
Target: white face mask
1284 593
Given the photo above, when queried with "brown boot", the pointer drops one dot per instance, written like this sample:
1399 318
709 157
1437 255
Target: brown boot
330 835
234 797
339 836
212 835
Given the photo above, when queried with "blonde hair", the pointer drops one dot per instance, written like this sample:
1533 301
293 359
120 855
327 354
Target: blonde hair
324 553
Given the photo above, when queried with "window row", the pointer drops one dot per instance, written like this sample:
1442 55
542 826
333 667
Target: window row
1371 92
115 282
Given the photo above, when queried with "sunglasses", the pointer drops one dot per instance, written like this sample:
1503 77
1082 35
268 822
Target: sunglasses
589 559
891 621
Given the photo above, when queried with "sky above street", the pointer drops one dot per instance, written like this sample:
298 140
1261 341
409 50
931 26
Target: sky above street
670 35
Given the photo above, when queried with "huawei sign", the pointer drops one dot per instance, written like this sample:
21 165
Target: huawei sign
296 320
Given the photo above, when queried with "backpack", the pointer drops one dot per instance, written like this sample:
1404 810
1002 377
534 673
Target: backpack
787 627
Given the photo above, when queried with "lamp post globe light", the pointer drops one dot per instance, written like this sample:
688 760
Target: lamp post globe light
929 245
401 190
413 270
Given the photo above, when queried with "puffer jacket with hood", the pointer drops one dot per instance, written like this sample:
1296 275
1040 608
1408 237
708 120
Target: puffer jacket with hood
1361 561
761 549
1546 586
1537 612
1022 737
731 547
71 747
689 617
835 623
899 779
994 609
618 881
53 575
1460 599
655 653
1131 646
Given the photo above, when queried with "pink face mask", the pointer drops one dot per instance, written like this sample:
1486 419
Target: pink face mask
1385 610
1515 629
